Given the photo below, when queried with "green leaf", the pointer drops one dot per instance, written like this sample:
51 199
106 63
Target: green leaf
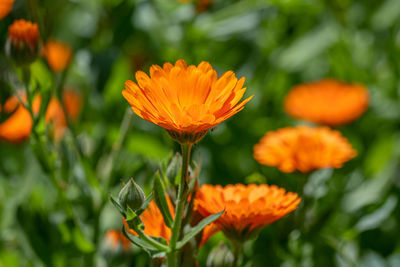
130 214
139 242
200 226
161 201
118 206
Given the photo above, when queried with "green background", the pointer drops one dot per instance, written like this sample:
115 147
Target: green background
353 216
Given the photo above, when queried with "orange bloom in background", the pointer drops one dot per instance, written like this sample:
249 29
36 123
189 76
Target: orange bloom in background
303 148
154 222
248 208
185 100
58 55
117 239
18 126
23 32
23 42
5 7
328 102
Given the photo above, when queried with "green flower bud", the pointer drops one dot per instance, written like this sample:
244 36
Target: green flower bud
131 195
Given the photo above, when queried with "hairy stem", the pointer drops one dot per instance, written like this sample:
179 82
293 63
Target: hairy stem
172 256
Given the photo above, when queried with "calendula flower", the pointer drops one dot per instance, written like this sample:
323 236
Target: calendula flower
247 208
185 100
328 102
117 240
58 55
23 41
18 126
303 148
154 222
5 7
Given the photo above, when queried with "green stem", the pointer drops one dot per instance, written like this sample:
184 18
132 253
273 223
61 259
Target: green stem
237 253
150 240
172 256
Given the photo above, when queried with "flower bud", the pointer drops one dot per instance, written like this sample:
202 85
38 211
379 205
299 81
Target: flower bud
220 256
131 196
23 42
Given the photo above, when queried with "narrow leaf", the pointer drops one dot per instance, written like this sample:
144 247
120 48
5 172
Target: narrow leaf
118 206
137 241
197 229
161 201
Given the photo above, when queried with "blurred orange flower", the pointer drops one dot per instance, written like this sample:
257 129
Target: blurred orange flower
23 42
153 221
5 7
248 208
23 32
18 126
117 239
58 55
303 148
185 100
328 102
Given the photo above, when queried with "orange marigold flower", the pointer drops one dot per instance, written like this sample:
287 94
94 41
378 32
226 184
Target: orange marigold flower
248 208
153 221
117 239
18 126
185 100
5 7
58 55
303 148
23 41
328 102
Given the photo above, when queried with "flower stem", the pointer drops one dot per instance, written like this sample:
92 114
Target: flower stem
237 253
172 256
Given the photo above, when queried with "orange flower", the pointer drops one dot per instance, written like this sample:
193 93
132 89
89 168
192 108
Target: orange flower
248 208
18 126
185 100
23 32
303 148
328 102
117 239
23 41
58 55
5 7
153 221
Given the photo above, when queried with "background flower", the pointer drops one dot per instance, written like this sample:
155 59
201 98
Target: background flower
330 102
303 148
5 7
58 55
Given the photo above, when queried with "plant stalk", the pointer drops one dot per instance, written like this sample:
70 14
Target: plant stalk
172 256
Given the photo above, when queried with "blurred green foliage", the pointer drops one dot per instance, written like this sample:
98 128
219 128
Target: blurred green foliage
354 217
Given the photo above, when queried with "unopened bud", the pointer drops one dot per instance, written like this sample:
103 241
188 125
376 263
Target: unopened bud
23 42
131 195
